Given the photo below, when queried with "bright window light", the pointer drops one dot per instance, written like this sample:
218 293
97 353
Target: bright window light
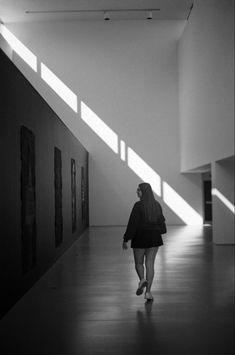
144 171
123 150
223 199
59 87
19 48
180 207
99 127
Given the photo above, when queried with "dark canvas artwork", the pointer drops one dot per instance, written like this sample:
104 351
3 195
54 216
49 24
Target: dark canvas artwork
83 194
28 199
58 197
73 195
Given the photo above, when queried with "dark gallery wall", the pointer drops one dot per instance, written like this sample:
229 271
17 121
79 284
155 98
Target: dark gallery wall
44 186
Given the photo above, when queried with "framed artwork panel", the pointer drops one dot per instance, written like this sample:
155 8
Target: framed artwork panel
58 197
28 199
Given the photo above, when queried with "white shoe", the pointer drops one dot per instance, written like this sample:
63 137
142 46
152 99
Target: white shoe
141 286
148 296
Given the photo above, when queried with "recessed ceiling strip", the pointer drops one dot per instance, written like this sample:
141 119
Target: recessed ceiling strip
83 11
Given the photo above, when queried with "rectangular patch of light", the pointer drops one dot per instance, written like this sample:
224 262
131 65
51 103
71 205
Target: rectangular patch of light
59 87
99 127
223 199
180 207
123 150
19 48
144 171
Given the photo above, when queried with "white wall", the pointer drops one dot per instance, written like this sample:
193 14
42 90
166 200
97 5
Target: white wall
206 62
223 201
127 73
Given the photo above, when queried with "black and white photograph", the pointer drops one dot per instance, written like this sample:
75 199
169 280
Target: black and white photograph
117 158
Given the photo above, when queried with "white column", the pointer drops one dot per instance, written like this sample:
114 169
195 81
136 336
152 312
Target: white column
223 201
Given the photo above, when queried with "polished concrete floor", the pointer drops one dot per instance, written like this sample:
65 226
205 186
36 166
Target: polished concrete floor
86 303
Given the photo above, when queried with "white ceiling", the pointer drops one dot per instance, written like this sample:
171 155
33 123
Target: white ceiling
50 10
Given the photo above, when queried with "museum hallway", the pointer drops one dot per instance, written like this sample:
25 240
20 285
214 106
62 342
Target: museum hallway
86 303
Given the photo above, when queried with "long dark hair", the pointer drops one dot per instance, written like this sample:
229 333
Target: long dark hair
151 208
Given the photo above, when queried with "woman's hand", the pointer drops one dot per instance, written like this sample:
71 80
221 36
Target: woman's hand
124 246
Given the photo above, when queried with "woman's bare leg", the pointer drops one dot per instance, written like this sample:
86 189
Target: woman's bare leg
150 255
139 262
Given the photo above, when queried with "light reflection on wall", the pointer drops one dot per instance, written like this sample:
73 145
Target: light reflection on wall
123 150
186 213
19 47
143 170
59 87
223 199
99 127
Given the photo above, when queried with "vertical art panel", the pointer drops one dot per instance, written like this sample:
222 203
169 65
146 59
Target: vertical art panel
83 194
73 195
58 197
28 199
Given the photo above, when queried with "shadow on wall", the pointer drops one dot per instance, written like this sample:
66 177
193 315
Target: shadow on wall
160 187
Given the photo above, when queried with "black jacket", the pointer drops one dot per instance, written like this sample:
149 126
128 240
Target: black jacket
138 229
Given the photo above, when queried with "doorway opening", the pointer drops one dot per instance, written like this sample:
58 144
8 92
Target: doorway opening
207 197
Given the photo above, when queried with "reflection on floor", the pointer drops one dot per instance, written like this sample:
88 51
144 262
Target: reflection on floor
86 304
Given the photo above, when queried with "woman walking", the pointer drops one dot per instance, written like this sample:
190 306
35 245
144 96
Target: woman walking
144 229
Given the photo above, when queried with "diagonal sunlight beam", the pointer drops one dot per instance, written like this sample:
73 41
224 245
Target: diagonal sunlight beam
99 127
59 87
122 150
180 206
19 47
174 201
223 199
143 170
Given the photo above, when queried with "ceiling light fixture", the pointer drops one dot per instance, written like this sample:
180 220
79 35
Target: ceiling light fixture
106 16
150 15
